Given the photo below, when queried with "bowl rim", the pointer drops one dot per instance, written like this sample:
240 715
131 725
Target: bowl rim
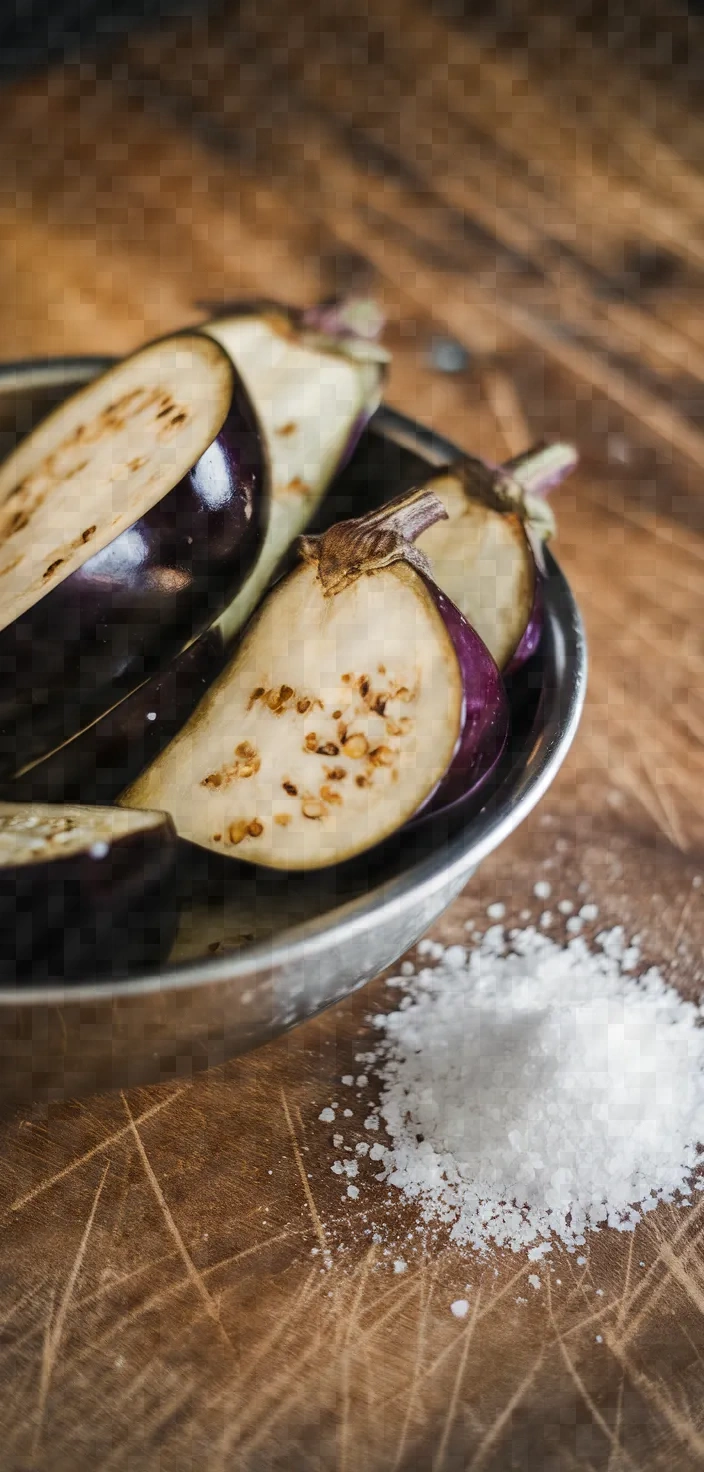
462 852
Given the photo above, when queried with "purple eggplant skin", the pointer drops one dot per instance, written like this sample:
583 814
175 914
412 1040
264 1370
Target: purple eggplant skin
530 640
102 759
129 607
90 915
485 717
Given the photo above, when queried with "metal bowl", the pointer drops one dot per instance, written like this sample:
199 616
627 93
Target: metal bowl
257 951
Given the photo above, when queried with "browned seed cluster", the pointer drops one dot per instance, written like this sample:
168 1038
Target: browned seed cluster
283 698
287 429
244 828
247 762
61 464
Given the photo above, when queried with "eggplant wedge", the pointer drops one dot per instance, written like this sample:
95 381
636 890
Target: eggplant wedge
84 891
359 697
98 763
128 519
315 378
487 555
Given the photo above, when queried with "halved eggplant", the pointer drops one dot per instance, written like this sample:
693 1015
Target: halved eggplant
487 554
83 890
358 696
315 378
128 518
98 762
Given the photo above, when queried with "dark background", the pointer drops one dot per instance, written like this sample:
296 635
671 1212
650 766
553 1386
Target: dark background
36 32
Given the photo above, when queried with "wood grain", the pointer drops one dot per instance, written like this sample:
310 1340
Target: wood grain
183 1283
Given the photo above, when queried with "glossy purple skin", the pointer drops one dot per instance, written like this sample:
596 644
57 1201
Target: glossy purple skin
101 760
485 715
83 915
130 606
530 640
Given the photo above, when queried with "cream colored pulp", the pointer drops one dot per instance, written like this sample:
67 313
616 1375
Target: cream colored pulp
258 774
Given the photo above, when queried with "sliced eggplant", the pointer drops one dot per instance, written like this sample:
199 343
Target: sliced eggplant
98 763
487 554
128 518
358 696
83 890
315 378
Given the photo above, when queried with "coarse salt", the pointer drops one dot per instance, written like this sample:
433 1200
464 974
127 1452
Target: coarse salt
459 1308
540 1091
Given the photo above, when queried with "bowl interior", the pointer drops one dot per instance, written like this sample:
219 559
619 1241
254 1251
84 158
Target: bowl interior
231 909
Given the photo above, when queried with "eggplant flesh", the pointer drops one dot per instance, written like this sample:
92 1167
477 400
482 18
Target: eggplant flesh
483 560
313 394
129 517
328 730
83 891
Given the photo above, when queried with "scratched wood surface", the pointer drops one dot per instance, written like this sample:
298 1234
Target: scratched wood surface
183 1282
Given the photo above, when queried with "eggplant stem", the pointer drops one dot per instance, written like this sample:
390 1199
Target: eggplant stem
368 543
543 466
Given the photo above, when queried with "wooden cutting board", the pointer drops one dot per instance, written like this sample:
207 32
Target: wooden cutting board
183 1281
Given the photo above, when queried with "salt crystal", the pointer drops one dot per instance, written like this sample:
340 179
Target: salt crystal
347 1080
455 957
337 1141
353 1191
459 1308
496 911
565 907
534 1281
362 1148
599 1338
377 1152
581 1261
589 912
524 915
407 968
542 890
544 1075
347 1113
327 1116
574 925
546 919
400 1266
362 1081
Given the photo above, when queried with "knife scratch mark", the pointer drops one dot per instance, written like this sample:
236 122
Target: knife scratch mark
195 1277
504 1416
318 1225
82 1159
468 1335
684 1429
55 1327
352 1324
427 1290
580 1386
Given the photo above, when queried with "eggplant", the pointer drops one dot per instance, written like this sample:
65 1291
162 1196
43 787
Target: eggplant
128 519
84 891
487 555
99 762
358 697
315 378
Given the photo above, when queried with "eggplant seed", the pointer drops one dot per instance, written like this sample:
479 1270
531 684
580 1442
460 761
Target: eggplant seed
356 746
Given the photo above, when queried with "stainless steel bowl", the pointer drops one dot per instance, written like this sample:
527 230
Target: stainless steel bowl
261 951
